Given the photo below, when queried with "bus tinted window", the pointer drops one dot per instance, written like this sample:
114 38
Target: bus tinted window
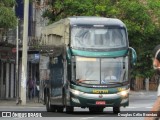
98 37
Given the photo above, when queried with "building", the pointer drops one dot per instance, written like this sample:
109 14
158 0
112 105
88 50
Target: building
9 81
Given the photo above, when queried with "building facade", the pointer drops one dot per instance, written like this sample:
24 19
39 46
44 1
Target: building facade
9 80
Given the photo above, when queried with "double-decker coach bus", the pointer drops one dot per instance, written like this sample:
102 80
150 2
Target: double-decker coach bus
89 64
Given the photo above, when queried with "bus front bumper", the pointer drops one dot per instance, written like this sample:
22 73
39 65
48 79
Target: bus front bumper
80 99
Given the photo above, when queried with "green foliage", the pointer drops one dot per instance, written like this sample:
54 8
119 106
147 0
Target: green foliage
7 3
7 18
142 18
7 15
61 9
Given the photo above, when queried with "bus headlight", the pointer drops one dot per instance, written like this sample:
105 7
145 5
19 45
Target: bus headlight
76 92
124 93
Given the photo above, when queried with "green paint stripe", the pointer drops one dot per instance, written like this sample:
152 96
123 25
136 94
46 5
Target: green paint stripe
99 54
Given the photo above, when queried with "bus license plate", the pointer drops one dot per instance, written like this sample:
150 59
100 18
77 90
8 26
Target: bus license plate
100 102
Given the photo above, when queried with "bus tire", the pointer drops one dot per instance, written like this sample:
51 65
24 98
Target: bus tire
116 110
69 109
60 109
49 107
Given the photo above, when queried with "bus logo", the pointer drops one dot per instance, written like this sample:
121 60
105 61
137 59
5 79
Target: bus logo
100 96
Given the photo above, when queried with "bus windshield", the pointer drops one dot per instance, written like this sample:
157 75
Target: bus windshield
100 70
98 37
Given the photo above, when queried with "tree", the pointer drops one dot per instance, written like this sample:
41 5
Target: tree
142 31
7 15
142 18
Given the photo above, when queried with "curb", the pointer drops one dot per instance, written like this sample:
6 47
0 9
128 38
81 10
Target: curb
13 103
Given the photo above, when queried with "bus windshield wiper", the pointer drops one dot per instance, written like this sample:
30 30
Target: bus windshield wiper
81 80
116 83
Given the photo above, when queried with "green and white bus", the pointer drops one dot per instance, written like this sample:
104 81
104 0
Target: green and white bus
89 64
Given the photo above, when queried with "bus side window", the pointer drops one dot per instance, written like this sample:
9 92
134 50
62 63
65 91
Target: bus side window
69 72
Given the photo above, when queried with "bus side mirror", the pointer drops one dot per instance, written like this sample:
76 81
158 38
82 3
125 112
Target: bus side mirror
134 56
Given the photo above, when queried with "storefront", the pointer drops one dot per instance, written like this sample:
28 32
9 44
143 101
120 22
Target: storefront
33 67
7 73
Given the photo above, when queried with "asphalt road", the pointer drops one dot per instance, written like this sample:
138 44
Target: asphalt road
140 104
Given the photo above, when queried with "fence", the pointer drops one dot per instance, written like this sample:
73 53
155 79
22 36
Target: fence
139 83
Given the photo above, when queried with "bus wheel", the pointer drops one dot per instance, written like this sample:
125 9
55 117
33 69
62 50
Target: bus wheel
60 109
116 110
69 109
49 107
96 109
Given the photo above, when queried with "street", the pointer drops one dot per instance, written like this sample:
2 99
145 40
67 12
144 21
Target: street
139 101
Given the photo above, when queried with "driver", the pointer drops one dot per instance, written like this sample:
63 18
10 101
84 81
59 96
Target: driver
111 76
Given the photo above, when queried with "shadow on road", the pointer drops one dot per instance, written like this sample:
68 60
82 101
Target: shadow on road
79 114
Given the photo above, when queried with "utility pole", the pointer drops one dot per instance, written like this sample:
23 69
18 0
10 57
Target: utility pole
17 61
24 53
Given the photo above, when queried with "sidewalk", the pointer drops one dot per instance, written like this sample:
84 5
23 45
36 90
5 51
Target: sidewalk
12 102
142 92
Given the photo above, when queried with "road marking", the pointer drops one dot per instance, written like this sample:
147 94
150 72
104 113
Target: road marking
139 107
87 118
148 107
132 107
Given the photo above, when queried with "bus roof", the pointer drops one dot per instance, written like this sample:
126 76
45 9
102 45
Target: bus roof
57 33
58 27
95 20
